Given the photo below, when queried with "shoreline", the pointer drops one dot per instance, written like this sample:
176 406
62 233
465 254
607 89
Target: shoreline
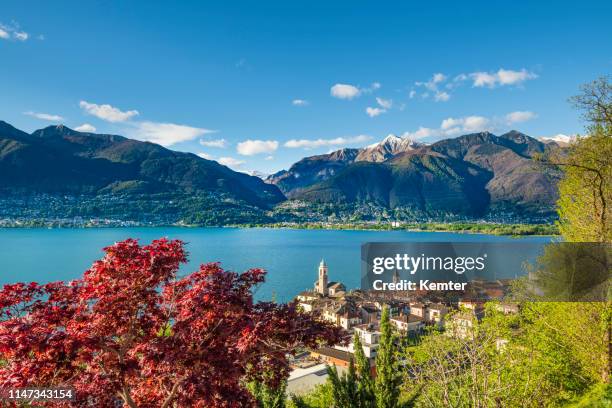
500 229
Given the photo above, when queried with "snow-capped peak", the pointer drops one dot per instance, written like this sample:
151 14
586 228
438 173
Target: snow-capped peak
386 148
391 137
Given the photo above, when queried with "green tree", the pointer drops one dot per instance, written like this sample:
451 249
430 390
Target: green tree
268 397
580 332
595 103
321 397
344 388
502 361
585 193
388 378
585 215
365 386
296 401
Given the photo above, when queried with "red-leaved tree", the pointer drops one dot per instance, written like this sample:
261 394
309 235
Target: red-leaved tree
130 332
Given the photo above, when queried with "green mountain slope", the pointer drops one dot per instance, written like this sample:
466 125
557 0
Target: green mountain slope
60 160
469 176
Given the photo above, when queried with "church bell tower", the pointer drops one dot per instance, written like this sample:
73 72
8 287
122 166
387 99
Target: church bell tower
322 282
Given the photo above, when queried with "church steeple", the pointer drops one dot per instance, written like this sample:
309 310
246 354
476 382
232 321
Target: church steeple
396 276
321 286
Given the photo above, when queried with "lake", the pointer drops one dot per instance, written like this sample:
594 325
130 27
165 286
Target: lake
291 257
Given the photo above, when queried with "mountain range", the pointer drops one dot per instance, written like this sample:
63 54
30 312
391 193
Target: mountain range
78 174
57 159
473 175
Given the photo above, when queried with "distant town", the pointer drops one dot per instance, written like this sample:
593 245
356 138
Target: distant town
120 211
413 314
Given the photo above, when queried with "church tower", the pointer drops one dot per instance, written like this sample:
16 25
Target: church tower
396 277
322 282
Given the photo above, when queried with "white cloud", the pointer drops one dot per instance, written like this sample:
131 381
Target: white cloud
441 97
253 147
205 156
315 143
21 35
344 91
372 88
500 78
449 123
475 123
230 162
300 102
420 133
218 143
425 132
439 77
450 127
432 84
384 103
519 116
509 77
107 112
454 126
165 134
269 158
12 31
347 91
433 87
483 79
44 116
562 138
85 127
373 112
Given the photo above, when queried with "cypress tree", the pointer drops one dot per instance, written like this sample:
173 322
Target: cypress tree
388 380
344 388
365 385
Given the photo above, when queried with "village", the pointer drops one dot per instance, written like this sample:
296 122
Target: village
413 313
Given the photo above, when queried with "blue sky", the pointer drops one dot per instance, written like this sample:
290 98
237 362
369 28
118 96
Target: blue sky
258 85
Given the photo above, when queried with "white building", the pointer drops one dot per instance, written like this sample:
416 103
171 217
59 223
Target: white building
435 313
418 309
461 324
342 314
369 335
306 300
408 323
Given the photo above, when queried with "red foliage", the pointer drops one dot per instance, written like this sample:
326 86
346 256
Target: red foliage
131 331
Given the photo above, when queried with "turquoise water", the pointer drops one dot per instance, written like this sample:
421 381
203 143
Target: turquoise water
291 257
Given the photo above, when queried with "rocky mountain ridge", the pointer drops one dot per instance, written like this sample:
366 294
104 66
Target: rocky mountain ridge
471 175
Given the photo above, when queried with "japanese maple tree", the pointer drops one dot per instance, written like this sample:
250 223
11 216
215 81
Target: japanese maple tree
131 332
